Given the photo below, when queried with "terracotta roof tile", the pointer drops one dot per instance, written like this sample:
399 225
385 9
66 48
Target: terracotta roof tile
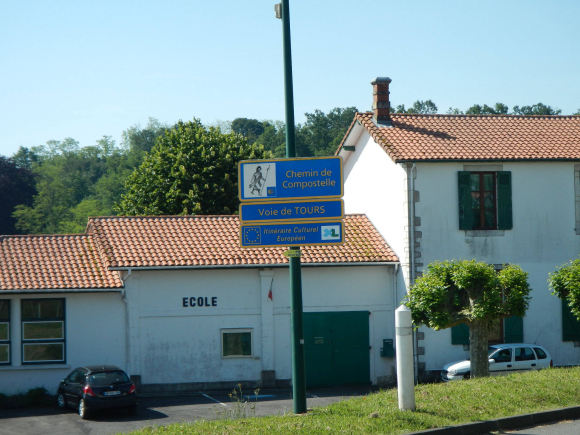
214 241
84 261
414 137
53 262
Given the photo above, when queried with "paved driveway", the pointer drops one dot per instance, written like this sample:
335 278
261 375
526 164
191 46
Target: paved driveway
158 411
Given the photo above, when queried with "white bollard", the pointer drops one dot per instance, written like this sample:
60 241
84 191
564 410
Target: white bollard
404 355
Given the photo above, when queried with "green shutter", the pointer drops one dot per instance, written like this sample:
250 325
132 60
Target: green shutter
504 200
513 328
465 215
570 324
460 334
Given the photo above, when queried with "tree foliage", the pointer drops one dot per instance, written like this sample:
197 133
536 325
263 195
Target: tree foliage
426 107
470 292
565 283
536 109
17 187
249 128
191 170
498 109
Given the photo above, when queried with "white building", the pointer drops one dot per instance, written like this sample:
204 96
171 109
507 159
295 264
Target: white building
176 303
500 189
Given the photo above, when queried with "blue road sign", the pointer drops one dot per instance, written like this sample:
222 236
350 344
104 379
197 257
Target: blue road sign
281 179
296 211
291 234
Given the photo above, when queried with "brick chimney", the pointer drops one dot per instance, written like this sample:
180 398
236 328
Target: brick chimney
381 103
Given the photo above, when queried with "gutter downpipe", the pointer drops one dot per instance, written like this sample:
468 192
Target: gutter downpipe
411 188
126 301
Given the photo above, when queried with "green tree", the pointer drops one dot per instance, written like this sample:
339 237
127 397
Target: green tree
137 141
470 292
565 283
17 187
577 112
426 107
536 109
191 170
454 111
322 133
249 128
498 109
273 138
66 174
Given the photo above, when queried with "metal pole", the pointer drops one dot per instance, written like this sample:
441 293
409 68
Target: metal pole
298 372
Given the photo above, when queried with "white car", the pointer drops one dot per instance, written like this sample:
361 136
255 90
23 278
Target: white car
503 358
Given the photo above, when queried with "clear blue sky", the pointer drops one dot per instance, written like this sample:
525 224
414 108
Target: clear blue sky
87 69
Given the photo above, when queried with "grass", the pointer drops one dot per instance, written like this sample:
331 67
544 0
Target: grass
437 405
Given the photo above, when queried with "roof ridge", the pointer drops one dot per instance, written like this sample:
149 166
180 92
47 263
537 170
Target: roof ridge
44 235
459 115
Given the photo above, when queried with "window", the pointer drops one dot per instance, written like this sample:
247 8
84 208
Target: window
236 343
4 331
43 331
540 353
524 354
485 200
502 355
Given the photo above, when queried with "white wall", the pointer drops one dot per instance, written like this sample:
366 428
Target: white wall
542 238
95 334
375 186
179 344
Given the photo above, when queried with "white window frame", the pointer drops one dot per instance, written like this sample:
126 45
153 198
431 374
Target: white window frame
236 331
27 342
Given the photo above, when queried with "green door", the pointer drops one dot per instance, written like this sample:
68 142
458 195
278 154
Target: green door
336 348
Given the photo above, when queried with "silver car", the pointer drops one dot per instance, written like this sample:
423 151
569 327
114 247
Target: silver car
503 358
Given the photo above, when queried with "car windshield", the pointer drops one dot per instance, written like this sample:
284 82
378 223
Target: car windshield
108 378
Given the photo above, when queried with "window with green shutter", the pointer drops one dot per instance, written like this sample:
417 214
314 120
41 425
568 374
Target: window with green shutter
570 324
485 200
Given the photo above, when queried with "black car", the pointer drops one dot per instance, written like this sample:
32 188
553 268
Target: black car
97 387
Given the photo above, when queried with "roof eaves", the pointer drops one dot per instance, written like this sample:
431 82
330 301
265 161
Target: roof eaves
254 266
347 134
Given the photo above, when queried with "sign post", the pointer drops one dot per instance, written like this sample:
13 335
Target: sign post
298 367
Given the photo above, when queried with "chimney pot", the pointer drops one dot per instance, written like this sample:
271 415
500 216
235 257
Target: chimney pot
381 103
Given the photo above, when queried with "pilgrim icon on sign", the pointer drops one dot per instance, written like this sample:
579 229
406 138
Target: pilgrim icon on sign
259 182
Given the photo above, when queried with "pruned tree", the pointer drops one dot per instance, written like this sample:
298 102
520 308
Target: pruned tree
470 292
565 283
191 170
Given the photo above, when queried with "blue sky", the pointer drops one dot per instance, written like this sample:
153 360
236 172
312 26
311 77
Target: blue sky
88 69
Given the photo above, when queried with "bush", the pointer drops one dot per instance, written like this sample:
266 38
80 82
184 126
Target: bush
34 398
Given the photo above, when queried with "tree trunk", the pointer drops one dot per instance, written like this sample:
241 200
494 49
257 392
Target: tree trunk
478 352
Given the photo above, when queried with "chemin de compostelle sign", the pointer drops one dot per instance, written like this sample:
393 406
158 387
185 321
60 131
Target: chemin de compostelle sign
281 179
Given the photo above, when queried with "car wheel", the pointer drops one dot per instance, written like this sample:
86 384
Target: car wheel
466 376
83 411
61 401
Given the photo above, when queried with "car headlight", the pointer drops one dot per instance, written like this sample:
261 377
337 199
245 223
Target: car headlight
452 372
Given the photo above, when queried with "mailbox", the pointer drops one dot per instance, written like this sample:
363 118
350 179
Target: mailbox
388 351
